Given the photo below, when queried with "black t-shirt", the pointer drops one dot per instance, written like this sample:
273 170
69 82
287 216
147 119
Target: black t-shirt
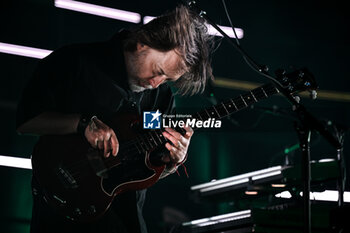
87 78
92 79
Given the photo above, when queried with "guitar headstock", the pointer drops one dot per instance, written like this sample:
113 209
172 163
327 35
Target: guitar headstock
297 81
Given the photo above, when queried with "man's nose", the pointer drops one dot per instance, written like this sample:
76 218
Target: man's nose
157 80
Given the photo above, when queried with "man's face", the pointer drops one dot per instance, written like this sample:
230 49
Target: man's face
148 68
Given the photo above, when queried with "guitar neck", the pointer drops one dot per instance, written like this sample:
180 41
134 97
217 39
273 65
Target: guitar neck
236 104
154 138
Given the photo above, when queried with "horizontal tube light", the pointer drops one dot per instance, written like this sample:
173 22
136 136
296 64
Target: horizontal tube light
327 195
219 218
258 177
9 161
278 185
211 29
284 194
227 30
107 12
224 185
23 50
147 19
238 177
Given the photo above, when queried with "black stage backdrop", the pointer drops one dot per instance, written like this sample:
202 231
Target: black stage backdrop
281 34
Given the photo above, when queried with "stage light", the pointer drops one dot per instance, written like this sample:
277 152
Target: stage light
219 218
251 192
23 50
278 185
258 177
211 30
146 19
228 184
327 195
239 179
107 12
16 162
227 30
284 194
326 160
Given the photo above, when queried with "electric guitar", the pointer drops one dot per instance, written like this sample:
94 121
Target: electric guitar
79 183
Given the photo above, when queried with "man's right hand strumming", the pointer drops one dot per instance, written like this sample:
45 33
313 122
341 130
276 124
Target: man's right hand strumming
101 137
98 134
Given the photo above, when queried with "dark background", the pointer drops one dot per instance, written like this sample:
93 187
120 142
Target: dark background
280 34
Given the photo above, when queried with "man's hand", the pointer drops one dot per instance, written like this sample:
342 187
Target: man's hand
100 136
180 145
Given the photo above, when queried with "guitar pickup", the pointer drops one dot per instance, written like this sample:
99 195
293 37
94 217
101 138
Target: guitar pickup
66 178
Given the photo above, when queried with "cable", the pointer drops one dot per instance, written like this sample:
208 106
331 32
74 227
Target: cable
229 20
244 57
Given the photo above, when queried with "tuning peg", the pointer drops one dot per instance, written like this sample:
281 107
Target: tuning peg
313 94
264 69
297 98
301 74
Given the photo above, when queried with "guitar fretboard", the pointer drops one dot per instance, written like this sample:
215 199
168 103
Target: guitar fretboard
154 138
236 104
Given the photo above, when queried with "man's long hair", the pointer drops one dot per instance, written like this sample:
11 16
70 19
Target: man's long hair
186 32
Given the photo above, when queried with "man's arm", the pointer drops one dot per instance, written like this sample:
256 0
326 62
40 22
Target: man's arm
50 123
98 134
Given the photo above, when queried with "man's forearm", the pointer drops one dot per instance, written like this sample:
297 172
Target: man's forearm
50 123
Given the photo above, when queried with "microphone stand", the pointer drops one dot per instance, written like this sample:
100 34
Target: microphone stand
193 5
307 122
340 132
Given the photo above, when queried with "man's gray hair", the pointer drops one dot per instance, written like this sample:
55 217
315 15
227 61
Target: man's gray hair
186 32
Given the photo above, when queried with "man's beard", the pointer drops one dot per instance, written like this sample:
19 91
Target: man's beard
135 87
133 64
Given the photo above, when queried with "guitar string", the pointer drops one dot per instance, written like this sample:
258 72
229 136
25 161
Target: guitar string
123 146
268 89
131 144
126 149
219 107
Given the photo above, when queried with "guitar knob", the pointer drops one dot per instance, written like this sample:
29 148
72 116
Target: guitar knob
297 98
77 212
70 218
313 94
307 84
92 209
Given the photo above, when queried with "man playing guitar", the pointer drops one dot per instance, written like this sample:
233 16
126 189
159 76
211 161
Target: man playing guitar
78 89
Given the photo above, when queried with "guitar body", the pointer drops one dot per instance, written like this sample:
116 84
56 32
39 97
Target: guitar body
79 183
